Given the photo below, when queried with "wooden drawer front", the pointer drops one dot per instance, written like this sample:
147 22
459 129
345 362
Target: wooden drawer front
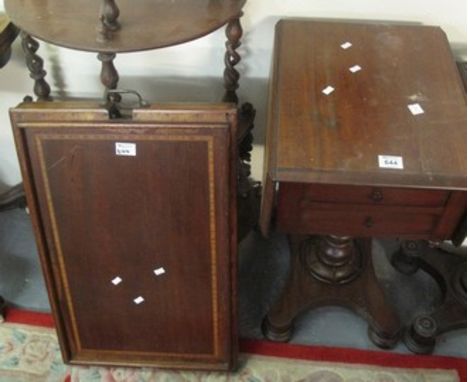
365 195
360 221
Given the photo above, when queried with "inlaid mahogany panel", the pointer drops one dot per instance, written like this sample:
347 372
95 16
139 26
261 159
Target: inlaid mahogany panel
136 225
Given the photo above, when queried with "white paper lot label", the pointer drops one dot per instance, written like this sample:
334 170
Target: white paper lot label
346 45
328 90
117 280
391 161
159 271
125 149
416 109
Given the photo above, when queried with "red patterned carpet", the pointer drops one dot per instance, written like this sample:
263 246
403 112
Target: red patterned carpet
29 352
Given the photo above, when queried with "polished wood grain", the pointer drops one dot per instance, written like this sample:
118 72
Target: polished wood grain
303 292
147 25
365 195
98 216
337 138
323 184
330 144
368 211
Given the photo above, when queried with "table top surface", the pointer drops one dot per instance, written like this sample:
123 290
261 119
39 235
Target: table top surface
146 24
338 138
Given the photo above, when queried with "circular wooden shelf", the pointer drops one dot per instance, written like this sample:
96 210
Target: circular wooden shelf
145 24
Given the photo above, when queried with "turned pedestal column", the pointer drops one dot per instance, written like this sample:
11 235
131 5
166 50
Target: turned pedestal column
332 270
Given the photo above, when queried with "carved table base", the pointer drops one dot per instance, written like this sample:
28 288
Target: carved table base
333 271
449 271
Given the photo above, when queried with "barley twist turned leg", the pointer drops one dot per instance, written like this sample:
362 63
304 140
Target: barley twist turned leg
36 66
234 33
248 191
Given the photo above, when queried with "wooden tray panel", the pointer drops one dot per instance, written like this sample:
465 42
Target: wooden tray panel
103 216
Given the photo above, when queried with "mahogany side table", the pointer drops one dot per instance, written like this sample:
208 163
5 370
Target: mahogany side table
366 138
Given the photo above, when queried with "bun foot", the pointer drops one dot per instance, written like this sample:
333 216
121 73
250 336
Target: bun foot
383 340
420 338
274 333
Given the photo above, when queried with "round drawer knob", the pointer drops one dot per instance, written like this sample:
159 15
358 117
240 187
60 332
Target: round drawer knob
376 196
369 222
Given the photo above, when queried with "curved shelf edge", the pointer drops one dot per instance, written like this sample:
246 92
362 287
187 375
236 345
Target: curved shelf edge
143 29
